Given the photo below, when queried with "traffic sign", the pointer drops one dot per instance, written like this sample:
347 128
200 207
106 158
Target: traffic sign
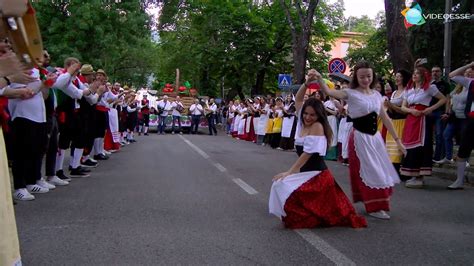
337 65
284 80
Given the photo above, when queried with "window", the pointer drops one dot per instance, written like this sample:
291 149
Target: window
344 48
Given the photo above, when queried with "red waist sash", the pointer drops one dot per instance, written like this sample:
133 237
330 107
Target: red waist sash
414 131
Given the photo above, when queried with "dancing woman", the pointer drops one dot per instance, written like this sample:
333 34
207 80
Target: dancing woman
372 173
418 133
307 195
398 116
467 143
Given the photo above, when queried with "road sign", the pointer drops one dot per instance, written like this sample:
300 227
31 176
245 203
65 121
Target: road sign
337 65
284 80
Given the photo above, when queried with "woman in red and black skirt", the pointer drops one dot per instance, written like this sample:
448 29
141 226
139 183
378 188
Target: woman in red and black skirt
418 133
372 173
307 195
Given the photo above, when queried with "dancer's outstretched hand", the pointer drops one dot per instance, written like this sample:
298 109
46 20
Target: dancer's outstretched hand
401 147
281 176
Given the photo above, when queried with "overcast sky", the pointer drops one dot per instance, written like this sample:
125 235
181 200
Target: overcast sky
357 8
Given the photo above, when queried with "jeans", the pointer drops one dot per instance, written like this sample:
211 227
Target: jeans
176 118
162 124
454 128
438 130
212 125
195 119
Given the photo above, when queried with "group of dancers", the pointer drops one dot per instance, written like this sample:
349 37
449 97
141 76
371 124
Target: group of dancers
307 195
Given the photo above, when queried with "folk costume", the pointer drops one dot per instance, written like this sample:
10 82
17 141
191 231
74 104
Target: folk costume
371 171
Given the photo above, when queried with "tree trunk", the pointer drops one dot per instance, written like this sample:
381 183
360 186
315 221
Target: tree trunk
277 48
300 34
397 36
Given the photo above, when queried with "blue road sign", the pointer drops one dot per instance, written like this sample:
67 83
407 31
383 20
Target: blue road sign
337 65
284 80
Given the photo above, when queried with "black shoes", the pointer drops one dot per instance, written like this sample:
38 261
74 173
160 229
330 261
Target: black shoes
62 176
101 157
89 164
79 172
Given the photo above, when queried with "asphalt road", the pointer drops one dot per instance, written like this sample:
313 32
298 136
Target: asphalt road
199 199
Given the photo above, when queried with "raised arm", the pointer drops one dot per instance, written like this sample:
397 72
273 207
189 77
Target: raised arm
338 94
460 71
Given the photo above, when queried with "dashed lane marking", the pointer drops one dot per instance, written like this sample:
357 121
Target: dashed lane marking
246 187
322 246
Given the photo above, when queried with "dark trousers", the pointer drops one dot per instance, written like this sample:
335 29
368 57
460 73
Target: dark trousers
195 119
211 121
439 125
29 142
74 131
176 118
52 148
162 124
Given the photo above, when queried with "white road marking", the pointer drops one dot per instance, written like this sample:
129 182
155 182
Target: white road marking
245 186
196 148
322 246
220 167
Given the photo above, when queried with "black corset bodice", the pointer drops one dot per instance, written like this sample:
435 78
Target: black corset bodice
366 124
315 162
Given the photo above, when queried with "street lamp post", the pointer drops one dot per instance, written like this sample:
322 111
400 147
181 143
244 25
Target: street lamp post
447 38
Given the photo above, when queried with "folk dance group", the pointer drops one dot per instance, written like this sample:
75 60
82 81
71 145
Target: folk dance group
307 195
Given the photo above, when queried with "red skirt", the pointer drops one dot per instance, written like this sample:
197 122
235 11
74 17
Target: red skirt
245 135
414 130
251 135
109 143
374 199
320 202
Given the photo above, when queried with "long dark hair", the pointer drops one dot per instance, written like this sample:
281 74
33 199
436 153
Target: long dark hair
322 117
362 64
406 76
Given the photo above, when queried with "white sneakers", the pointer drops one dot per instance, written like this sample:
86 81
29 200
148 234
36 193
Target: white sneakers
22 194
414 183
380 215
42 183
36 189
56 181
444 160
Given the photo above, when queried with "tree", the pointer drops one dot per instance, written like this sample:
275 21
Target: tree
300 26
114 36
362 24
427 40
373 49
397 35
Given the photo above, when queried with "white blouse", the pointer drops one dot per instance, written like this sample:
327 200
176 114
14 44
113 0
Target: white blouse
360 104
315 144
420 96
33 108
398 101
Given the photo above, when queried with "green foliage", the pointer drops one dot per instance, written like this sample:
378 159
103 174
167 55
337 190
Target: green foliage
427 40
112 35
373 48
234 44
362 24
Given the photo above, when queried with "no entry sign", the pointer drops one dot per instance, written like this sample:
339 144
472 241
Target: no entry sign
337 65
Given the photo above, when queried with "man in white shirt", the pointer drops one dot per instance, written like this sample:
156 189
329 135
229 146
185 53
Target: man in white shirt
166 107
211 116
102 117
196 111
28 116
177 109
